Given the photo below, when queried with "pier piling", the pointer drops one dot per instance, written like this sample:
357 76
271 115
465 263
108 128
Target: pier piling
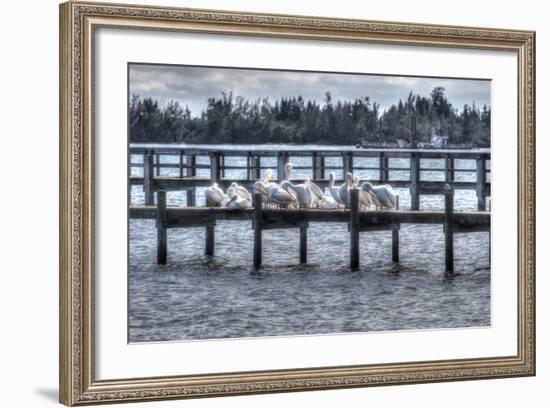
191 162
303 244
395 238
148 164
481 179
257 224
161 228
210 239
354 229
415 181
448 230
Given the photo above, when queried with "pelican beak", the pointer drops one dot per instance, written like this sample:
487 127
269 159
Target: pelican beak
266 180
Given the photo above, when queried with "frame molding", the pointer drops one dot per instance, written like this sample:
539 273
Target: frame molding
78 21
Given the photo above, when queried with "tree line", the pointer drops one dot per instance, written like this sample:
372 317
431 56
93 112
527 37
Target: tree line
236 120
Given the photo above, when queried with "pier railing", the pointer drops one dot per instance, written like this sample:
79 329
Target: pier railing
187 167
265 219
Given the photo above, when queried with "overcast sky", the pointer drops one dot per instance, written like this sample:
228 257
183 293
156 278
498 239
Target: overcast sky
192 86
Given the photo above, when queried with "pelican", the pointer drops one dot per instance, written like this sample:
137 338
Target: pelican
334 191
328 203
279 196
365 198
317 194
260 188
275 193
238 203
385 197
214 195
301 191
235 188
345 188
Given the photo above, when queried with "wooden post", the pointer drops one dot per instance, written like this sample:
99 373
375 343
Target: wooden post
157 160
395 238
148 178
449 168
354 229
257 224
282 159
181 164
255 170
215 174
448 229
191 162
415 179
318 163
481 179
347 159
384 168
210 238
303 244
161 228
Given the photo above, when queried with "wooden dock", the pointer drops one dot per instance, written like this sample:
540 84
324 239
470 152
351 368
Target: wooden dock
187 166
265 219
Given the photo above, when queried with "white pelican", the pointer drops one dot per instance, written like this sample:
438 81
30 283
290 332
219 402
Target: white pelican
328 203
279 196
365 198
276 194
317 194
214 195
238 203
345 188
235 188
260 188
301 191
334 191
384 195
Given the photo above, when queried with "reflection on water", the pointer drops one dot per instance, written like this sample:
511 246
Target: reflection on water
200 297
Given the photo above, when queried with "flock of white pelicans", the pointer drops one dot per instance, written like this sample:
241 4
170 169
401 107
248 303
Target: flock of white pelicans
304 195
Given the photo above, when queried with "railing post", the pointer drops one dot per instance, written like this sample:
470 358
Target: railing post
384 168
215 174
181 163
157 160
303 244
481 179
161 228
254 169
191 161
347 159
415 179
257 224
210 239
148 178
395 238
449 169
318 163
354 229
282 160
448 229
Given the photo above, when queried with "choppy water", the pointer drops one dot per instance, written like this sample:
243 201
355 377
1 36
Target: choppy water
200 297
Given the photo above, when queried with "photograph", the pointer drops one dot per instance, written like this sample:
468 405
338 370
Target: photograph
269 202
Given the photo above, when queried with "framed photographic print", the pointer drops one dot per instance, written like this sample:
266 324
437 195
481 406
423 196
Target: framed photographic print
256 203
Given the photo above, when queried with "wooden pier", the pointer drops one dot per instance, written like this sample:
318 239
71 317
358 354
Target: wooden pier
265 219
188 166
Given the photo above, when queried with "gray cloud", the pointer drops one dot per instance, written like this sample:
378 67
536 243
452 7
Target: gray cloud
192 86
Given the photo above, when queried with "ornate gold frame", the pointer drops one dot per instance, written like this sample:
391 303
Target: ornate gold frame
78 22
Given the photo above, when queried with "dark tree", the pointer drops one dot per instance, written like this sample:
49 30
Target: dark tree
230 119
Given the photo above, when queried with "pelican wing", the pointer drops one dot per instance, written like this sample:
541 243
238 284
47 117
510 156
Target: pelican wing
315 190
281 196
